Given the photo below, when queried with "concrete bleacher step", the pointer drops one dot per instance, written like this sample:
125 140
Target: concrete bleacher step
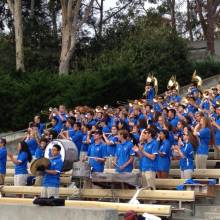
188 218
212 215
200 210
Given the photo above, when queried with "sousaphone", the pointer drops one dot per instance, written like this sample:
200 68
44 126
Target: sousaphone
173 84
197 79
151 81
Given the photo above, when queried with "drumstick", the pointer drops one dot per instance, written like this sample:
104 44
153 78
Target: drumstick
92 157
116 165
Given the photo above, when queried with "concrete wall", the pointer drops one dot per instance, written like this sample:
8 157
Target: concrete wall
32 212
207 84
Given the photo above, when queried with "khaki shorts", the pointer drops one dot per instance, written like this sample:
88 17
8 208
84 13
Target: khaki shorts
47 192
217 152
148 179
186 174
200 161
20 179
2 179
38 181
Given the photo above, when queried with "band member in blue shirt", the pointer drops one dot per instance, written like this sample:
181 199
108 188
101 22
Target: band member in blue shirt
184 150
51 179
85 143
164 153
78 136
111 142
124 156
40 126
150 93
24 156
3 159
147 153
39 153
203 132
97 153
216 124
172 118
216 96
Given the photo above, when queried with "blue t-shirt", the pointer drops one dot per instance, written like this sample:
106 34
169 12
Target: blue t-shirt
111 149
217 132
84 145
214 101
39 153
205 105
77 139
150 95
191 108
3 159
106 129
40 128
157 107
175 98
96 150
21 168
50 180
32 145
163 162
57 128
147 164
71 132
123 153
91 122
186 162
204 139
173 121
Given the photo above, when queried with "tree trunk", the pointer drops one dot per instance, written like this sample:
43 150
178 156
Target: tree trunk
66 50
101 19
16 11
70 27
201 18
53 15
172 4
189 26
32 8
18 36
210 27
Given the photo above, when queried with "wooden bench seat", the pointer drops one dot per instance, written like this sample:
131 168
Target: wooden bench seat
11 172
158 210
64 181
210 164
198 173
35 190
160 195
201 190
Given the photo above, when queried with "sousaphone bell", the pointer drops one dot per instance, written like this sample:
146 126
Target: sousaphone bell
173 84
196 79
